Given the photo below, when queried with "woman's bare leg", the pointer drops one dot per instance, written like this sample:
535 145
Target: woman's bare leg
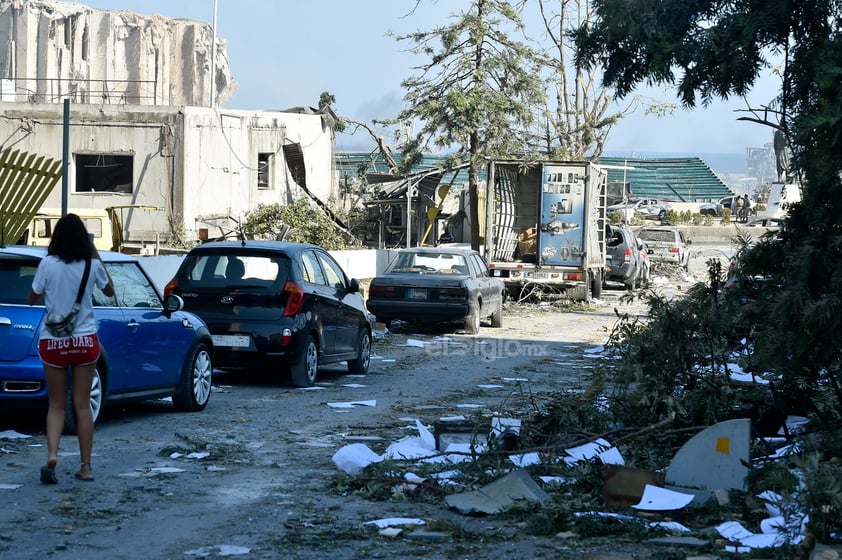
82 378
57 393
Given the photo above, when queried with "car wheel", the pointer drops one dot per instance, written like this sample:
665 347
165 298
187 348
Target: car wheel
472 322
360 365
497 316
195 384
305 367
97 394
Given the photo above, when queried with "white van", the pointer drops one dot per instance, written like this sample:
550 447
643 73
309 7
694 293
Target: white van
97 221
781 196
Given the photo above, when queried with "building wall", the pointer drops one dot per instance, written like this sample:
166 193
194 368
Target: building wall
55 49
199 166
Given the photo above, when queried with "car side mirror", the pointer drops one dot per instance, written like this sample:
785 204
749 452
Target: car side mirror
173 303
354 286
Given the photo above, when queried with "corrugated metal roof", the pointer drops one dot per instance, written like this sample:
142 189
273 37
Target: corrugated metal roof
673 179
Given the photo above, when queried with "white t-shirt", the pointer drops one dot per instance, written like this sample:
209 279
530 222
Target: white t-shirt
59 282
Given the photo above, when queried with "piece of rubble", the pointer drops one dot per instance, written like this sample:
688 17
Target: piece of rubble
498 495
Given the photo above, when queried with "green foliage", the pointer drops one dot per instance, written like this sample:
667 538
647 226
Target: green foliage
671 364
327 99
298 222
671 217
476 94
684 43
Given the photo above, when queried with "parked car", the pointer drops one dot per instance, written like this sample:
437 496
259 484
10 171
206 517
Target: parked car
436 285
646 208
626 258
666 244
715 208
151 348
276 306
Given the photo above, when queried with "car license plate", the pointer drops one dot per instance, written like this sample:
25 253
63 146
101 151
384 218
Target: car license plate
232 340
417 293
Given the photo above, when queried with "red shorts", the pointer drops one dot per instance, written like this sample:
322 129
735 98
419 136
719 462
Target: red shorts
73 351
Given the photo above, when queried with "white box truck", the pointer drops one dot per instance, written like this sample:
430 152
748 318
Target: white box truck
546 227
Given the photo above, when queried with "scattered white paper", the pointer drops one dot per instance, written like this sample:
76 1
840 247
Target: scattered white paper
9 486
416 343
490 386
468 405
554 479
219 550
656 498
501 425
389 360
395 521
355 457
515 379
313 388
11 434
427 438
409 448
452 418
525 459
353 385
195 455
352 404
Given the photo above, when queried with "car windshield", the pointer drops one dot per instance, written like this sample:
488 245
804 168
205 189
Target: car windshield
656 235
441 263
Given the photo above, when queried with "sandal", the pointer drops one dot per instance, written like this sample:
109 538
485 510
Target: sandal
85 473
48 475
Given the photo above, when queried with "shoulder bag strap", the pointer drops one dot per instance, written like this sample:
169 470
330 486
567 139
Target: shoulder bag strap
84 280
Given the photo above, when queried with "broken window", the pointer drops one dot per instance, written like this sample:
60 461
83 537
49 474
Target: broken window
104 173
295 163
263 166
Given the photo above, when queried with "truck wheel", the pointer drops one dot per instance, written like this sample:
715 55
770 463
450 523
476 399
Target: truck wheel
596 285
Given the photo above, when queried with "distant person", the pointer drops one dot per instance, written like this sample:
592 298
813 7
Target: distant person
446 237
71 257
740 209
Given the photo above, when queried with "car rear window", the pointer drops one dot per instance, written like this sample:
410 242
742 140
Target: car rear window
235 271
444 263
656 235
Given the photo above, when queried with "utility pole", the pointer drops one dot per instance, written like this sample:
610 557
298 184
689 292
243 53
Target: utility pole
213 60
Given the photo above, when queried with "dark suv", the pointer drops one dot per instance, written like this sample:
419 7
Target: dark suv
626 259
270 304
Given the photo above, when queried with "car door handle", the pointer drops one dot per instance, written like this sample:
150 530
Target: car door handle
133 324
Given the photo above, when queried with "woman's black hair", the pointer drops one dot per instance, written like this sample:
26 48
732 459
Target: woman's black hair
70 241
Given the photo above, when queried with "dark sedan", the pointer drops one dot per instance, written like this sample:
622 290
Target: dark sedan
435 285
275 305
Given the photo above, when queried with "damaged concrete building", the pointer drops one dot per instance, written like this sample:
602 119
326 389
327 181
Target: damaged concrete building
143 129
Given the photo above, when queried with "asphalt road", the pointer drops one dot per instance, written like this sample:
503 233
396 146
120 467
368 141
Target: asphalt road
253 473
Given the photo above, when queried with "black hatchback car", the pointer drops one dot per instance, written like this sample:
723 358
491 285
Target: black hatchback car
273 304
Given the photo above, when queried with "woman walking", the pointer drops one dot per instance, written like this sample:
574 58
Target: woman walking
65 280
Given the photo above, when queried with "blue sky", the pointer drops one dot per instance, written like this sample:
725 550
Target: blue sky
284 53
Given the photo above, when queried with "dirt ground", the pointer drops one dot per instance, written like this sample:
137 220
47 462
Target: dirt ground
253 476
